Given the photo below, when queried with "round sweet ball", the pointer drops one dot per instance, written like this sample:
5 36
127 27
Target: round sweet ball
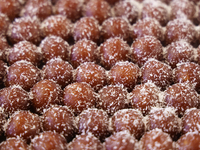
14 144
83 51
116 27
85 141
2 120
57 25
127 9
157 72
112 51
48 140
92 74
178 52
4 23
11 8
156 139
183 74
22 73
148 26
58 70
14 98
40 8
122 140
24 50
145 96
124 73
4 46
99 9
144 48
95 121
112 98
128 119
157 10
180 29
189 140
182 97
23 124
86 28
3 68
79 96
71 9
44 94
54 46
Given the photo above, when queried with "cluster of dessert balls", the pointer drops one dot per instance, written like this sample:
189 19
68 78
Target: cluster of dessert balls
99 74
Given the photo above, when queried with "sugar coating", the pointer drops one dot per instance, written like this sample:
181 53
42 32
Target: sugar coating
2 120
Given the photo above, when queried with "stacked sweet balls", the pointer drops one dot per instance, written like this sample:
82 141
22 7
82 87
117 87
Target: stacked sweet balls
99 74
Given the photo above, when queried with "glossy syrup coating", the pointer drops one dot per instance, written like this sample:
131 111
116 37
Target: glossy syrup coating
54 46
79 96
22 73
23 124
122 140
182 97
3 48
112 51
4 23
3 68
99 9
14 98
83 51
86 28
57 25
156 139
128 119
24 50
144 48
92 74
58 70
124 73
48 140
157 72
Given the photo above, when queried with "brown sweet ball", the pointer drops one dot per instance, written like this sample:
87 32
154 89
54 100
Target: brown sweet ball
2 120
148 26
180 29
54 46
122 140
145 96
25 28
128 119
48 140
60 119
83 51
124 73
72 9
157 10
189 141
22 73
14 98
156 139
113 50
79 96
24 50
85 141
58 70
40 8
3 68
99 9
14 144
127 9
144 48
4 23
178 52
11 8
57 25
92 74
23 124
44 94
95 121
157 72
182 97
112 98
116 27
87 28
